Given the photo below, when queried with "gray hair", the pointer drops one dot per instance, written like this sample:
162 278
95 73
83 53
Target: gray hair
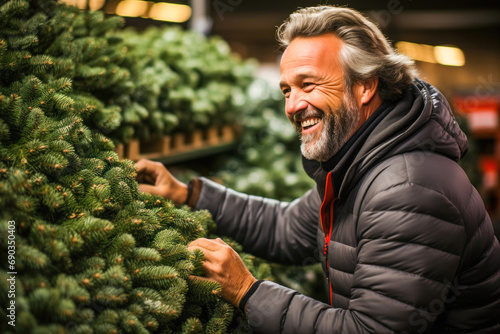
366 53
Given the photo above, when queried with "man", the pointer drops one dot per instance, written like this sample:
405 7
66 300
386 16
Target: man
403 237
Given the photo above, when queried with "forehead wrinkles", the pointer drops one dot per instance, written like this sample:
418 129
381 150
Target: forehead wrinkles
301 59
312 54
327 45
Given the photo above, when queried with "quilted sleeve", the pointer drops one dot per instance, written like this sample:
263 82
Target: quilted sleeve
276 231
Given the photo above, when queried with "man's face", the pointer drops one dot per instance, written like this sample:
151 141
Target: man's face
317 103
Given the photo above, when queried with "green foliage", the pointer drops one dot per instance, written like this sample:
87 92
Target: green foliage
182 80
124 83
268 162
93 254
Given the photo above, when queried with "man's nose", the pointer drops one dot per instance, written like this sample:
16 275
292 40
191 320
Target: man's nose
294 104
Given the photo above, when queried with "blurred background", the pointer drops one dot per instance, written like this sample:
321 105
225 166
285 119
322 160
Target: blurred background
87 85
456 45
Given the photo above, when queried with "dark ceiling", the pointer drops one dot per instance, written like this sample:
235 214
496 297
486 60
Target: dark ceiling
250 25
290 5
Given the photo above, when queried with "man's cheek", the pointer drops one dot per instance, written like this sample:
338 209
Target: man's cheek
326 100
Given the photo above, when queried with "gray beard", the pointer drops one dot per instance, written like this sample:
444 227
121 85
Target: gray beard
338 127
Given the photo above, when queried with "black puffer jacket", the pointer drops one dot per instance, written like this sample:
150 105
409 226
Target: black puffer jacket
402 234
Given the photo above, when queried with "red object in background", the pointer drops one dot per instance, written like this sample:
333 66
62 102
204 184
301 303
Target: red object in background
489 168
481 112
471 103
483 115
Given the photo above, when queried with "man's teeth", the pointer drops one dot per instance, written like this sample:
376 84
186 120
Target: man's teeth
310 122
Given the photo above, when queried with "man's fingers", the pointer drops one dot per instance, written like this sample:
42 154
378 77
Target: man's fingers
148 167
141 165
147 171
144 178
219 241
208 255
165 185
211 269
208 244
146 188
224 266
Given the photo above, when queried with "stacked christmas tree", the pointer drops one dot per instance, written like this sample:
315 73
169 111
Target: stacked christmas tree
87 252
182 81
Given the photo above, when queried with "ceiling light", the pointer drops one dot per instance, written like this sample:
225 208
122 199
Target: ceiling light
132 8
81 4
450 56
444 55
96 4
171 12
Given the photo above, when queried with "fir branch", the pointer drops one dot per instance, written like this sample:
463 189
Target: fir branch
111 296
156 304
192 326
12 8
203 291
124 245
116 276
148 256
40 64
4 131
130 323
222 317
30 258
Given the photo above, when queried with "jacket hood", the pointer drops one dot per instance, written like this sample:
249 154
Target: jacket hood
421 120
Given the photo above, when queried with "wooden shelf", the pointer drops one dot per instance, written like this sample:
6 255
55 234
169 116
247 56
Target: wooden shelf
181 147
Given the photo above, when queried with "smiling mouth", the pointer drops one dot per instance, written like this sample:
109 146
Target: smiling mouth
309 123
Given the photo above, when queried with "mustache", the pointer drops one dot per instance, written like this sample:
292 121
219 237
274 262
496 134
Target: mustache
308 113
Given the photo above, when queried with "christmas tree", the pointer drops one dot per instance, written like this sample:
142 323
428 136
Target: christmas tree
183 80
86 251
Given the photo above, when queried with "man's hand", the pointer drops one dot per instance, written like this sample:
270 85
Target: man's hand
223 265
155 179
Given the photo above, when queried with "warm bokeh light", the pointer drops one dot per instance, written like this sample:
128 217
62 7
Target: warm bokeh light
448 55
96 4
163 11
132 8
82 4
444 55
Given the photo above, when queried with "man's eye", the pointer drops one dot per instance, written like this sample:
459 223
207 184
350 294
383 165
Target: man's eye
307 84
286 91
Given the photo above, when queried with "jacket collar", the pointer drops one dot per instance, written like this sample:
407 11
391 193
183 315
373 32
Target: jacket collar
421 116
339 163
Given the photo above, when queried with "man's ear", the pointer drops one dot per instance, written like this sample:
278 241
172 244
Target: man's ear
365 90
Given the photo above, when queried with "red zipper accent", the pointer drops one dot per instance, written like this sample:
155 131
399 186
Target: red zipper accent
327 243
326 215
